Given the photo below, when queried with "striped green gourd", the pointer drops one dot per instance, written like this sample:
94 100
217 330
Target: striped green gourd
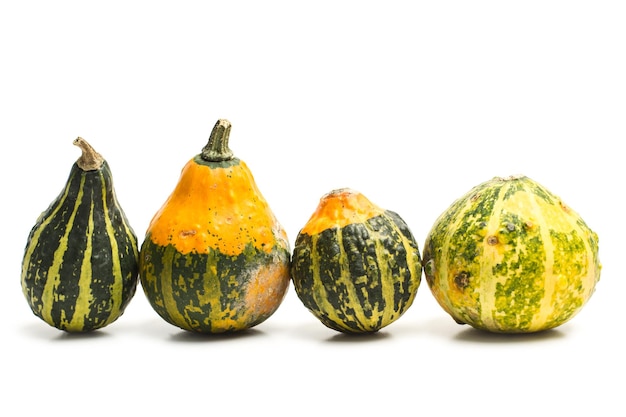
80 265
355 266
510 257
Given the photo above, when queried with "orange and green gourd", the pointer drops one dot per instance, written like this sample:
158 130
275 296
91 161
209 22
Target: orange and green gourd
356 267
510 257
215 258
80 266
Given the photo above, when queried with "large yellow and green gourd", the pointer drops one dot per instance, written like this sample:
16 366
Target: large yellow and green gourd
511 257
215 259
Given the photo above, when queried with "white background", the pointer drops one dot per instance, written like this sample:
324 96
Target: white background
411 103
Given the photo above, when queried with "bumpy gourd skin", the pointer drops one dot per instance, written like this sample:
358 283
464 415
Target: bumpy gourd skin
80 266
511 257
215 259
355 266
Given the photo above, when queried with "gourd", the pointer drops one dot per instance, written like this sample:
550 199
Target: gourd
80 266
215 259
355 266
510 257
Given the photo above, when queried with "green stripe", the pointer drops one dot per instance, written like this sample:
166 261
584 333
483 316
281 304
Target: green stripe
117 284
362 275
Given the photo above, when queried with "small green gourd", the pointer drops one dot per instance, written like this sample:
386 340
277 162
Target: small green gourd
80 266
355 266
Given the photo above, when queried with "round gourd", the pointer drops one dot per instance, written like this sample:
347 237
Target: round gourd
510 257
80 265
215 259
355 266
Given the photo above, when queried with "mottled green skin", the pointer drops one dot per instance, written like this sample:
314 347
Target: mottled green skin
358 278
206 292
88 196
494 255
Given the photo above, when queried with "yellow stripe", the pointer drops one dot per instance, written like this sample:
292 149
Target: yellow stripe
84 299
386 282
212 296
491 256
50 296
545 310
165 279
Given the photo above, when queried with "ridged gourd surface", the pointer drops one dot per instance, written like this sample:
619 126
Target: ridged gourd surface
510 256
356 267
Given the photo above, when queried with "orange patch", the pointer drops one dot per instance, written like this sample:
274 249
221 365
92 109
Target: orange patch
267 288
340 208
215 208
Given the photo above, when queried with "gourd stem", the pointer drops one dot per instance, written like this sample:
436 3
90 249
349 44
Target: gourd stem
90 160
217 149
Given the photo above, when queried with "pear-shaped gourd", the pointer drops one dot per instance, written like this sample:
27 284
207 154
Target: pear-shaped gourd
80 266
215 259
